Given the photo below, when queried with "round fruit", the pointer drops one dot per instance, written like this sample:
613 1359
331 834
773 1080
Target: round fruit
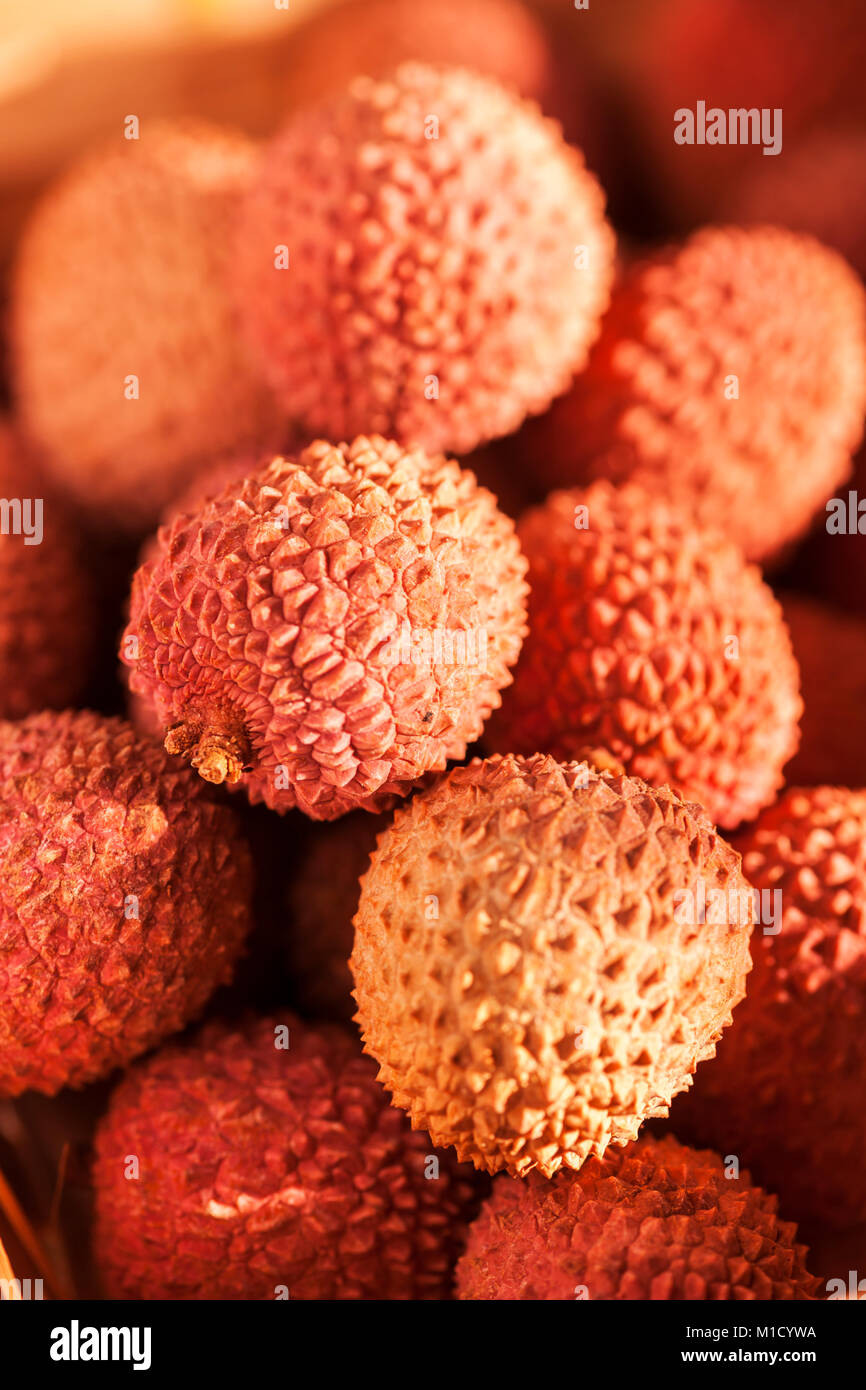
332 628
423 257
651 637
128 368
124 898
730 376
785 1092
46 605
653 1221
501 38
540 961
270 1165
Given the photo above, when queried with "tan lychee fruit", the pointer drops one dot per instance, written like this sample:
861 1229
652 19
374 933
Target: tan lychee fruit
543 955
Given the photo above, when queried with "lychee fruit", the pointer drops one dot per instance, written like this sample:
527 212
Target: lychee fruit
128 368
269 1165
785 1093
651 637
830 649
322 901
543 954
423 257
730 376
502 38
653 1221
124 898
332 628
46 602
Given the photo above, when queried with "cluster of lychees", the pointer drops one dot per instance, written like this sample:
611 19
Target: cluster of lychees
278 356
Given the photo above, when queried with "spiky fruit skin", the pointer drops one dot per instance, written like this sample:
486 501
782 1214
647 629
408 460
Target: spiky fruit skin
123 271
654 1221
124 898
784 316
265 1168
291 625
432 294
785 1092
830 649
651 637
521 974
322 901
501 38
46 604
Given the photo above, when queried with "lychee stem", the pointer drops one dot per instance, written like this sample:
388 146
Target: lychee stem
218 753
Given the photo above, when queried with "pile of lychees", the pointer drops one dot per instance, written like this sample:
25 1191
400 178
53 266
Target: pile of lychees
263 368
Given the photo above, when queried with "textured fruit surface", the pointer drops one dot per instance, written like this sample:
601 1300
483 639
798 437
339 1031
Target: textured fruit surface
124 898
263 1168
532 968
654 1221
730 375
652 638
501 38
122 273
448 261
46 606
332 628
785 1092
322 899
830 649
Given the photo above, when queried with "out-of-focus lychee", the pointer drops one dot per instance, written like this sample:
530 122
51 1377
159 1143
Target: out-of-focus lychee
270 1165
128 368
730 376
422 257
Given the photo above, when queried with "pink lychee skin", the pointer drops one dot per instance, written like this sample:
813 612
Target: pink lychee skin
273 620
443 280
652 1221
266 1167
125 897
